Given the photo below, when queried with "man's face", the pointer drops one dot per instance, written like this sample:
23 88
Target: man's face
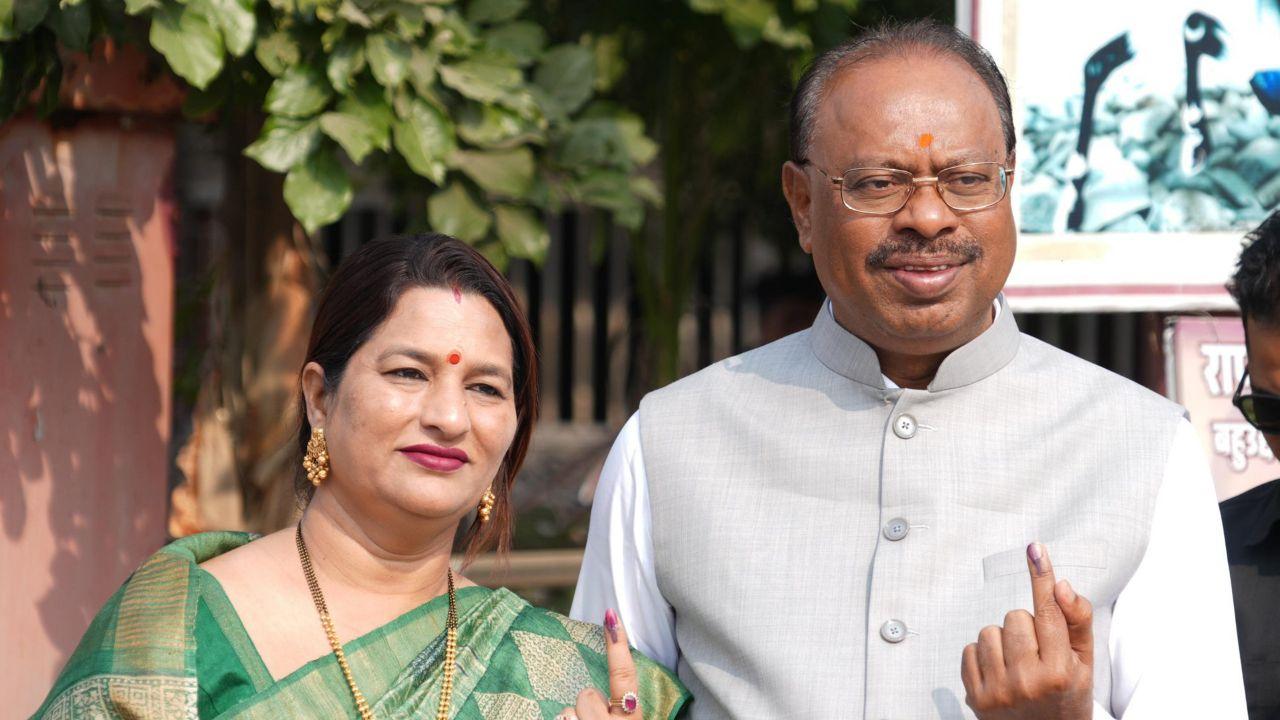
1264 364
920 281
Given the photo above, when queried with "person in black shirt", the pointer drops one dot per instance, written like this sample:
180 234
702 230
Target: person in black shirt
1251 520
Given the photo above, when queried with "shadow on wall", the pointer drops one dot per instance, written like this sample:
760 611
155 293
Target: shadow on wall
85 327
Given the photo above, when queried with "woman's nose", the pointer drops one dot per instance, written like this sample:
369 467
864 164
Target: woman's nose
445 409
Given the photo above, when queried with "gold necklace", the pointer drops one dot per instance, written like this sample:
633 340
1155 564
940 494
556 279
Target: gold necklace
450 644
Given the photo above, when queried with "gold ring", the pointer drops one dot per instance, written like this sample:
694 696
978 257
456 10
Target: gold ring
628 703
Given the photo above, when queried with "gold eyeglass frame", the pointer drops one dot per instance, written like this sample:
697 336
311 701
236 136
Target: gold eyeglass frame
915 183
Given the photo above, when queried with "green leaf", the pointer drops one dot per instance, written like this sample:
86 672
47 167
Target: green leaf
354 133
747 19
19 17
453 36
784 37
345 62
616 140
236 20
135 7
568 74
491 126
522 232
424 137
370 104
278 52
490 11
410 21
318 190
71 24
609 63
301 92
352 13
612 190
484 77
188 41
522 40
284 143
422 70
388 59
453 211
503 172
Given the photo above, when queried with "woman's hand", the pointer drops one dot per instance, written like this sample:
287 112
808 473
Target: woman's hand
624 683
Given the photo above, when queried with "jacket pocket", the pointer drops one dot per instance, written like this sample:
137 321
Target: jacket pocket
1086 554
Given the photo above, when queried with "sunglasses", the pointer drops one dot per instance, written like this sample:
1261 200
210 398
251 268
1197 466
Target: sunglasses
1261 409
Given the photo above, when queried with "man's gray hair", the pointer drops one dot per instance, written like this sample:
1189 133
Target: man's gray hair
889 39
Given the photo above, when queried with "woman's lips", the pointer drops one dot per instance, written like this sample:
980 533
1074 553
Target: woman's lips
436 458
926 280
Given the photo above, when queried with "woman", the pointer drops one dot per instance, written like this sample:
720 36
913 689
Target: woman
418 399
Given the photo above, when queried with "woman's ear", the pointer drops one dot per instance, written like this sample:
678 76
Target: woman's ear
313 392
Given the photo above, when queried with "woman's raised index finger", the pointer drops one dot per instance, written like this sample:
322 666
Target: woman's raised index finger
624 684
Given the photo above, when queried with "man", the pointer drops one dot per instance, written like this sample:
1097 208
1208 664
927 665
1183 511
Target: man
1251 520
855 521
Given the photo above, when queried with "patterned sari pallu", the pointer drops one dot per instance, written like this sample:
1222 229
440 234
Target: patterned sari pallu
169 644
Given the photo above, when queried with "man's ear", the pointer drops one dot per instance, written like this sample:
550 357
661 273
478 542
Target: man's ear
313 392
795 186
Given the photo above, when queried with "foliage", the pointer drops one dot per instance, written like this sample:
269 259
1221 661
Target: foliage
470 96
711 79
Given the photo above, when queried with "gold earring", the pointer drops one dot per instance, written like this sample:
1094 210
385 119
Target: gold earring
316 461
486 505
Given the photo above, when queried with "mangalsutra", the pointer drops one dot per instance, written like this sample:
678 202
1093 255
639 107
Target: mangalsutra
450 643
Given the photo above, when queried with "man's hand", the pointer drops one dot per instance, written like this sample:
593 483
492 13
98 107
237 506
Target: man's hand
1037 666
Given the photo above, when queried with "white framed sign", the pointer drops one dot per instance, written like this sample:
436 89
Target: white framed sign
1148 144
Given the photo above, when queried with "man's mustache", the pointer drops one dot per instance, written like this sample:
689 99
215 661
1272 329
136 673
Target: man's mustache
967 249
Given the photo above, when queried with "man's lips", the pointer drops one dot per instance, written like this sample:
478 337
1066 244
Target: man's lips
924 277
434 457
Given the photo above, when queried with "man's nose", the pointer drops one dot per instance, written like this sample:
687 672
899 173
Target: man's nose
926 213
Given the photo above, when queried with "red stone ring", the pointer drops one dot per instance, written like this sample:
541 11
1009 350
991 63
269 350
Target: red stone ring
628 704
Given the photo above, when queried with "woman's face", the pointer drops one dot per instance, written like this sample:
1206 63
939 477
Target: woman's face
425 410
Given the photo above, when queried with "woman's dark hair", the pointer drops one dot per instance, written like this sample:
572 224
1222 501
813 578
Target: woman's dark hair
361 295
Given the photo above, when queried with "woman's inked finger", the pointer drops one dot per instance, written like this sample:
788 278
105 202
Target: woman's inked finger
624 685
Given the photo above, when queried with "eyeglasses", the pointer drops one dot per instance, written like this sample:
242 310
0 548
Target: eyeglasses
885 191
1261 409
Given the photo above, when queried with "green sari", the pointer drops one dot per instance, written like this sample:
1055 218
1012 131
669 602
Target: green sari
169 644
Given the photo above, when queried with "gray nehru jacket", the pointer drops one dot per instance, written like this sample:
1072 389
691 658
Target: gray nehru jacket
822 537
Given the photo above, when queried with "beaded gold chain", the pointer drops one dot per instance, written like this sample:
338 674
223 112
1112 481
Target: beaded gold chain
450 644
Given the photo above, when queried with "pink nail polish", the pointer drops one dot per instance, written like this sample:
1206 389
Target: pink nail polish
611 624
1036 555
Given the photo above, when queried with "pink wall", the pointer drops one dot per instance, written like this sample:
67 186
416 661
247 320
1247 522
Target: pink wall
86 314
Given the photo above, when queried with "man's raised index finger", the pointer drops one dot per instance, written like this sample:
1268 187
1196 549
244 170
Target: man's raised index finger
1051 626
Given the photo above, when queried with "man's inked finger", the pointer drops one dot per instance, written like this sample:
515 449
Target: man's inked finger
1051 627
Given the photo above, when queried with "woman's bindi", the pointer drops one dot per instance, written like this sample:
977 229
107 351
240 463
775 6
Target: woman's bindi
455 357
925 140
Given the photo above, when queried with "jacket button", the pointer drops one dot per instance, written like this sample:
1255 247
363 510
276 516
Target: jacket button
893 631
896 529
904 426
